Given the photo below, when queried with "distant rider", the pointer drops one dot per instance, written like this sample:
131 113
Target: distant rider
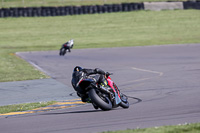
67 46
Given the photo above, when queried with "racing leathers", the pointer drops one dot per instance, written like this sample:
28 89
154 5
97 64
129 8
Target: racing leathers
96 74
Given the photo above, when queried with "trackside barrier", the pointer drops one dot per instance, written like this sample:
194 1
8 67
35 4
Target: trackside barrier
69 10
78 10
157 6
191 5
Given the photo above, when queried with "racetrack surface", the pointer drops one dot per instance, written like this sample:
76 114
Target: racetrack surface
162 82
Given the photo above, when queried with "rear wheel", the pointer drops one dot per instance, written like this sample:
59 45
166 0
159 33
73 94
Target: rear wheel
101 101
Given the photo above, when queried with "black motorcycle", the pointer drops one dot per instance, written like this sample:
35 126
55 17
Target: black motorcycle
103 97
66 46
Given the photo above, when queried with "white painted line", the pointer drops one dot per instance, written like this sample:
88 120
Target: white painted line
30 62
150 71
147 78
39 68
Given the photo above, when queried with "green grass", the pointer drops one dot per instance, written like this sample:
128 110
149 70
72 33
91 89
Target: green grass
139 28
38 3
13 68
182 128
23 107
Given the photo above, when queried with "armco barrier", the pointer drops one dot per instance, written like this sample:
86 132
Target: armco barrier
78 10
157 6
69 10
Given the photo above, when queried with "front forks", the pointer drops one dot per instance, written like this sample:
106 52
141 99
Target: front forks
113 95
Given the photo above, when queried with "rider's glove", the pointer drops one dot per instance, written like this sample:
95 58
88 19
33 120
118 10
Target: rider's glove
108 74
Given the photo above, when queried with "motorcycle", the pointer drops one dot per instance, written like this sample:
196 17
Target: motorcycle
66 46
103 97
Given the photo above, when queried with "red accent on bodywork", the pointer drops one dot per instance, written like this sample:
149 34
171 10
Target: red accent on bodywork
111 84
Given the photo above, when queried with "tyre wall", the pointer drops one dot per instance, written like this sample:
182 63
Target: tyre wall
191 5
107 8
69 10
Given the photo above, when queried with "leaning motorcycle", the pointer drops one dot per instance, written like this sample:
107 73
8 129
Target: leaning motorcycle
68 45
103 97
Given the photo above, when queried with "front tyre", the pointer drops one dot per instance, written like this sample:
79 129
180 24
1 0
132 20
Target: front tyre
124 103
102 102
62 51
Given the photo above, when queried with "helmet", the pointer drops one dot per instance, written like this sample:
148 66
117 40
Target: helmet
78 68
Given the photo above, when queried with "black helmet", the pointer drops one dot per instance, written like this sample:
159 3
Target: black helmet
78 68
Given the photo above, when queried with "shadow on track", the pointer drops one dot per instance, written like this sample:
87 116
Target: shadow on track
138 100
90 111
74 112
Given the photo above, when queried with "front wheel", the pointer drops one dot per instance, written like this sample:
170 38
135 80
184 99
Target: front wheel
101 101
62 51
124 103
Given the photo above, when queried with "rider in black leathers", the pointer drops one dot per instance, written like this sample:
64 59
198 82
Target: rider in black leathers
98 76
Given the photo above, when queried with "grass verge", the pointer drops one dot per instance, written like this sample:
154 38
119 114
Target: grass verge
139 28
181 128
24 106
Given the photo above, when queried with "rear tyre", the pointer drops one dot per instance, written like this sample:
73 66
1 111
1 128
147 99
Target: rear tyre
102 102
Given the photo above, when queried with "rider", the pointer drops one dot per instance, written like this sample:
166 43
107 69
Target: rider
68 45
99 76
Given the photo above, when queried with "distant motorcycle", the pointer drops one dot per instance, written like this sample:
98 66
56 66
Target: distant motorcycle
66 46
102 97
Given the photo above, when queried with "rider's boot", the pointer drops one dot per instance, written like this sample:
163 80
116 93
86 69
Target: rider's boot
84 97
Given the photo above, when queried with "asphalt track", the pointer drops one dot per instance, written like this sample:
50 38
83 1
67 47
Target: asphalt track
162 82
